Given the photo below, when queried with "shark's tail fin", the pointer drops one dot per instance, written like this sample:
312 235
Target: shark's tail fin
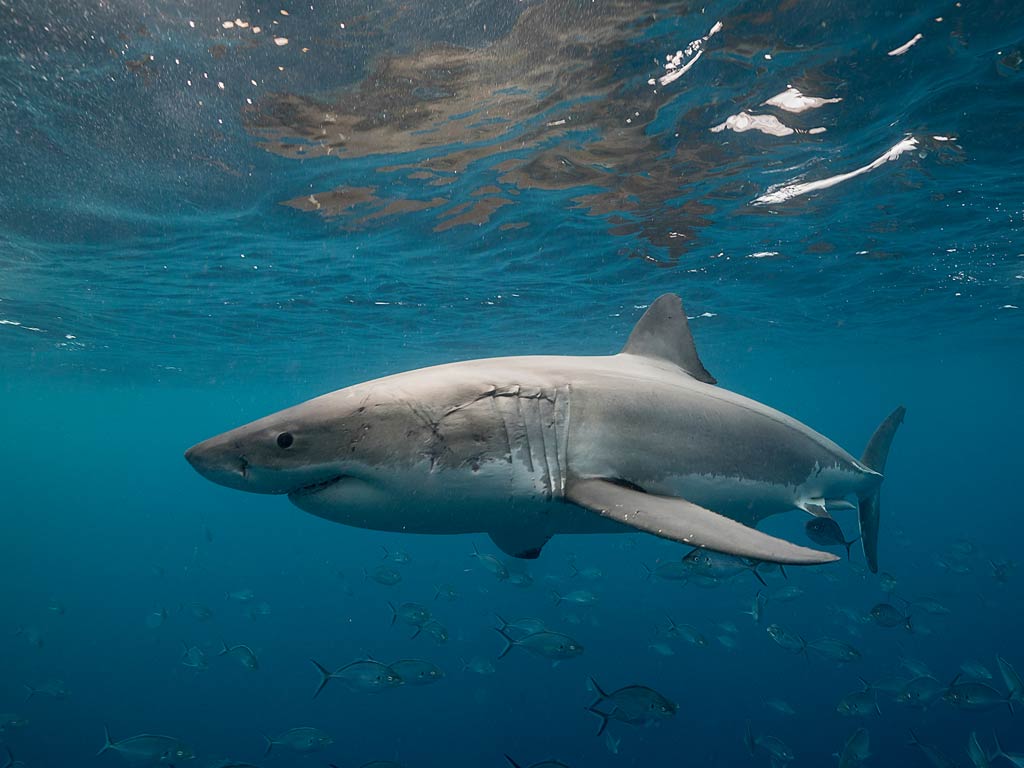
870 509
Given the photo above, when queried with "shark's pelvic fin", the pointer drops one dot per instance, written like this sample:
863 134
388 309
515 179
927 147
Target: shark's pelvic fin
869 509
680 520
664 334
816 507
525 543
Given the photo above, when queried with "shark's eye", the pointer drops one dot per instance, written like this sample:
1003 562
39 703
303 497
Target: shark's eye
285 440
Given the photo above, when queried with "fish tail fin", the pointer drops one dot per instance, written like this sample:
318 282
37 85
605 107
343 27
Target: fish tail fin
394 612
869 506
504 623
325 678
556 597
914 741
270 741
757 574
476 552
849 544
10 757
107 743
509 642
512 762
999 749
223 648
31 692
386 553
596 689
648 572
600 714
1009 702
575 573
748 738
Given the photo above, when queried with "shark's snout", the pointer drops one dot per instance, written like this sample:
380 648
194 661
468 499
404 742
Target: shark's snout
219 461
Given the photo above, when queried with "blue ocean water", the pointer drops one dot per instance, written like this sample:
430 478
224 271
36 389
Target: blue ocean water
211 211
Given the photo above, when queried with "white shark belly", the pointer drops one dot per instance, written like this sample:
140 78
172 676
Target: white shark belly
494 496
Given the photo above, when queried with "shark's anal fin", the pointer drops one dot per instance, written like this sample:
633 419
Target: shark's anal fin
680 520
524 543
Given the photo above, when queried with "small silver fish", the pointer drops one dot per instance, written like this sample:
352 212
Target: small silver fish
856 750
193 657
921 692
550 645
417 671
242 653
396 556
542 764
887 615
303 740
686 632
147 748
835 650
365 675
385 575
718 565
670 570
780 706
588 574
858 704
434 630
491 564
633 704
784 638
478 665
446 592
413 614
975 670
54 688
576 597
975 696
934 755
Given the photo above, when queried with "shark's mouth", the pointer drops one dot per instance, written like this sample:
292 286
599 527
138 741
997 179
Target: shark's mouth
308 490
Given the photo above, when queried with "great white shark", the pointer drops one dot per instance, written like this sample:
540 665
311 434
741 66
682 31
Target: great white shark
523 448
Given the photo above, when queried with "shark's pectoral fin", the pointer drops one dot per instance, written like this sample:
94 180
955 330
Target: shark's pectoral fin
680 520
524 543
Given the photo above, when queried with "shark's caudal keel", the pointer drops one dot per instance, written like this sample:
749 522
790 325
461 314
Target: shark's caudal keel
524 448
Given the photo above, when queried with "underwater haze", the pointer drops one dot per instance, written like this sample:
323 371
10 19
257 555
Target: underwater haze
212 211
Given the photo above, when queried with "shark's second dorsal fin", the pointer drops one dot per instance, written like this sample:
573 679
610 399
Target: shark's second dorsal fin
664 334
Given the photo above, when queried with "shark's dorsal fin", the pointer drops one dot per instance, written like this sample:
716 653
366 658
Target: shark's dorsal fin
663 333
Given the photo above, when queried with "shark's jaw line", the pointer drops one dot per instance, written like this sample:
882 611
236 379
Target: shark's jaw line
312 488
523 448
